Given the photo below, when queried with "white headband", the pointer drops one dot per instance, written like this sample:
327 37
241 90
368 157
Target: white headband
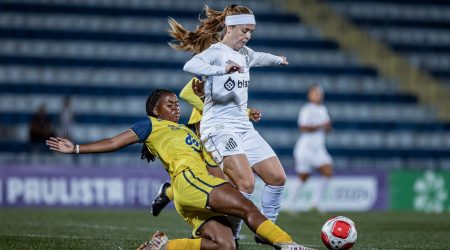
240 19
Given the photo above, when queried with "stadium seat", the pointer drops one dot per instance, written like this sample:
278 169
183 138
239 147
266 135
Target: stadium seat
109 55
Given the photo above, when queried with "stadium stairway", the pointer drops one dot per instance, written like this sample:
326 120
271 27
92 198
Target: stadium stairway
404 28
418 30
108 55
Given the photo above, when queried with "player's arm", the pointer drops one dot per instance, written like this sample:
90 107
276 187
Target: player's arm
325 126
304 127
137 133
203 64
193 92
328 126
117 142
257 59
305 115
305 118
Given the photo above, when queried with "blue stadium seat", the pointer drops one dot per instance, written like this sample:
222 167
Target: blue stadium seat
110 57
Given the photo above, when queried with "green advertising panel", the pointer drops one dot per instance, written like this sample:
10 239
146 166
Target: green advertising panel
426 191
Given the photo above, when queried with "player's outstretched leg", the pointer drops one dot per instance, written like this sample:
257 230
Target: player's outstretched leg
228 200
161 200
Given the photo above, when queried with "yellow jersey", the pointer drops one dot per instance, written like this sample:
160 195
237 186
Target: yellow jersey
176 145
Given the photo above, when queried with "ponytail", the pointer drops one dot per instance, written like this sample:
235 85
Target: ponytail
212 24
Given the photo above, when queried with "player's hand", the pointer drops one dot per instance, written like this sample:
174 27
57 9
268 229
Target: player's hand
233 67
328 126
61 145
198 86
255 115
284 62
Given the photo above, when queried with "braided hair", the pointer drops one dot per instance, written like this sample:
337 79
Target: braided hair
150 105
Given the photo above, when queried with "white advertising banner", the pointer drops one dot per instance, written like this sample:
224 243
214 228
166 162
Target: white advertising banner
341 193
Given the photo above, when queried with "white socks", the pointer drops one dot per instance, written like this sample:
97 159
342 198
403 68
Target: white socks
293 195
317 195
271 201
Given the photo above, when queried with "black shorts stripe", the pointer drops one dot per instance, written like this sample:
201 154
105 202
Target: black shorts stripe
192 184
200 180
211 166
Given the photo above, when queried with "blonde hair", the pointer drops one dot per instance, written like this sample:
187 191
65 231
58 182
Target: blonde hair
207 33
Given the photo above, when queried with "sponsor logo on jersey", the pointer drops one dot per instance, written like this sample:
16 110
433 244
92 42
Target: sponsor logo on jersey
191 141
242 84
230 84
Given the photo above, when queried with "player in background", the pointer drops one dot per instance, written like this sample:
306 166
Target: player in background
201 199
222 57
310 151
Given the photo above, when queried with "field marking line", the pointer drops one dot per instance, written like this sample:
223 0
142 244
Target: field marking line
49 236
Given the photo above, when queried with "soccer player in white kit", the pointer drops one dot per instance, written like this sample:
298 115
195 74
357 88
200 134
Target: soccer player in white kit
223 59
310 151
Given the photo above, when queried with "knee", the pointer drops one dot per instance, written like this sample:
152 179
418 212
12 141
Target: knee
328 174
303 177
246 186
277 180
280 180
326 170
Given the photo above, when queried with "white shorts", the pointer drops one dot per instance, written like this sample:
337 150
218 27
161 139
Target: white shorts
221 143
307 158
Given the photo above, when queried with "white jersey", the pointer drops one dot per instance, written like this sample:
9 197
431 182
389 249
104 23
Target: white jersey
312 115
226 95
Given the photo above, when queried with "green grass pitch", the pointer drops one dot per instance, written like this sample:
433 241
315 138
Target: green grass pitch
126 229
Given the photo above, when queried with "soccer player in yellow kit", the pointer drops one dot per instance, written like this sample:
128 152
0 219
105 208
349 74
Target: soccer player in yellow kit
200 198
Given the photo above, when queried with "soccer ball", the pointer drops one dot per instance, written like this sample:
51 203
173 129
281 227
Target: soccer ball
339 233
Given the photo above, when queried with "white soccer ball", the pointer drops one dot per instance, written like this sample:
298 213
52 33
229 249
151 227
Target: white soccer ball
339 233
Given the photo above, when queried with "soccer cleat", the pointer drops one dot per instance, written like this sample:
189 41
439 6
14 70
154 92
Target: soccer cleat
161 199
281 246
260 240
158 241
290 246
